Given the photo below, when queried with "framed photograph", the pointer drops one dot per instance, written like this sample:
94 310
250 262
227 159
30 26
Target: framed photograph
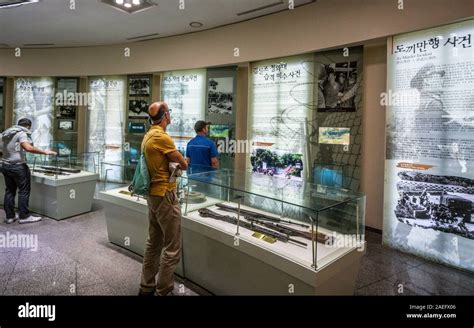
66 111
337 87
334 136
66 125
139 87
220 95
218 131
138 108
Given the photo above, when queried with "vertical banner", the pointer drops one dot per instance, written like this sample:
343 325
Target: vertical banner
429 171
34 99
281 92
106 115
185 94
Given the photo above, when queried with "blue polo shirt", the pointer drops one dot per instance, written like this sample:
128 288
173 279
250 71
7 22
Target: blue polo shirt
200 150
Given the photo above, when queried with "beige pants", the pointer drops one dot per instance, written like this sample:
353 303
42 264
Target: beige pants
163 247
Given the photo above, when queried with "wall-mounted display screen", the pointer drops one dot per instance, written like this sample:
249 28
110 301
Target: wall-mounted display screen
63 149
134 127
65 125
218 131
334 136
134 155
328 176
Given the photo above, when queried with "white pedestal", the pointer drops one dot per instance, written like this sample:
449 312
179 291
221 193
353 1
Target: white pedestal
127 221
211 259
59 198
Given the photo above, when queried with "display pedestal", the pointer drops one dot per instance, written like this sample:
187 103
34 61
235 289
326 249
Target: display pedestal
62 197
213 261
210 259
127 221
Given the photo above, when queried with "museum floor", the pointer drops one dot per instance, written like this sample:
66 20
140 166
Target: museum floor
75 258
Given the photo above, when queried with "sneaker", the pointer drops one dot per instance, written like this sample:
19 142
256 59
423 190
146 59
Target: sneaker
30 219
9 221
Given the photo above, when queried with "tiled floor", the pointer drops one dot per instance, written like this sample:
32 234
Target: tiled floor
75 258
386 271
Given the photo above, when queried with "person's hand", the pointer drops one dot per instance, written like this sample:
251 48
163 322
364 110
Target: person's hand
50 152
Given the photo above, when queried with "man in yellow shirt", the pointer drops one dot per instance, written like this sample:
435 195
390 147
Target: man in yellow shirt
163 247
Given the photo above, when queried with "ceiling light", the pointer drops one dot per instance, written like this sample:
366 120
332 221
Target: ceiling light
130 6
195 24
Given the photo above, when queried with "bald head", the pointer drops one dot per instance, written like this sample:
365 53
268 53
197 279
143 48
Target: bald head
157 111
157 108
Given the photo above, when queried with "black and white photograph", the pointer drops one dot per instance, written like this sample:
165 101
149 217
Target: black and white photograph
442 203
139 87
66 111
138 108
220 95
337 87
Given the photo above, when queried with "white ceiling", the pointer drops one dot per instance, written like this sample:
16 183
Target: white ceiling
95 23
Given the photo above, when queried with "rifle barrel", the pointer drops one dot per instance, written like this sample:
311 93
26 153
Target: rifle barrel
258 215
251 226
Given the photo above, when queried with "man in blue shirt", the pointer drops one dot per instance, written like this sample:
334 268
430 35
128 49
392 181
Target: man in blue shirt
201 152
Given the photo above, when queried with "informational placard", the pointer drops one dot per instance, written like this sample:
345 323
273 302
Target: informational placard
106 116
280 91
34 99
184 92
429 189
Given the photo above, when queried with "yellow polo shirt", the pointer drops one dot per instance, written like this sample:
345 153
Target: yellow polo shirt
156 144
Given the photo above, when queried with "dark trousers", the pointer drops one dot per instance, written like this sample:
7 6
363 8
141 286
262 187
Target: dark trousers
17 176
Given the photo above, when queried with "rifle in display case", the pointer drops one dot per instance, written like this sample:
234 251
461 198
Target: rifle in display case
253 226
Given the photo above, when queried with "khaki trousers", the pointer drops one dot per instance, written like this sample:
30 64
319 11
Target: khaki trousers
163 247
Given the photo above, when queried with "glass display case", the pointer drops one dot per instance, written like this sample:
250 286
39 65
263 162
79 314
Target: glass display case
307 223
115 174
63 166
62 186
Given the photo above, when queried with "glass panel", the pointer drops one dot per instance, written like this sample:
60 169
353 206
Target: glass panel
301 221
304 194
116 174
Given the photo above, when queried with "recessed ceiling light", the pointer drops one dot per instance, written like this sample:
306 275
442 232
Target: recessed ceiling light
195 24
130 6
